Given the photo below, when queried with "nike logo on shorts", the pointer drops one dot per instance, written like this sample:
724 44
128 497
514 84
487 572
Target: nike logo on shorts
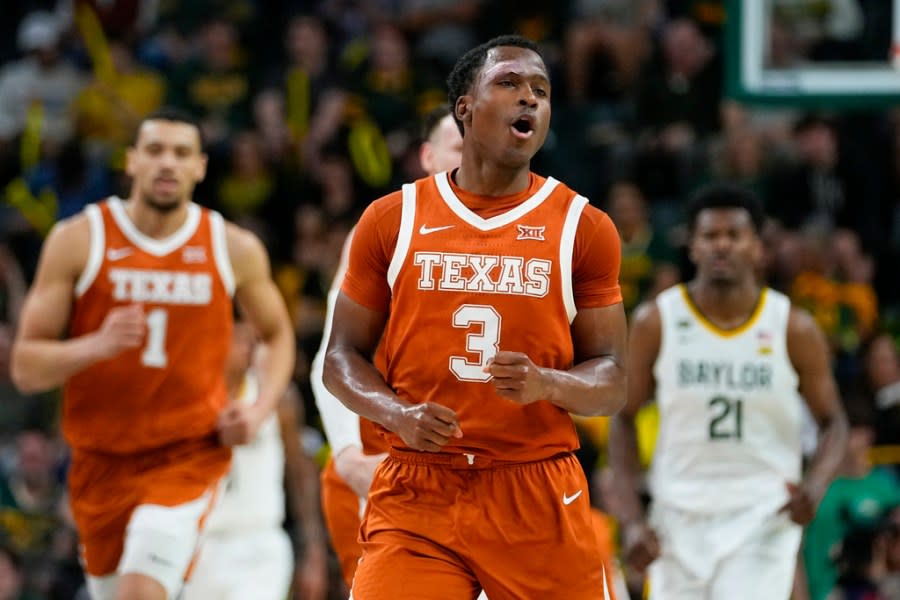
567 500
159 559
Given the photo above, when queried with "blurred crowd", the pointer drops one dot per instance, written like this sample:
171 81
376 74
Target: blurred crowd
310 110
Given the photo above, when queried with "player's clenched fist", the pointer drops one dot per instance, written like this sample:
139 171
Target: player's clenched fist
640 546
516 377
427 426
122 329
238 424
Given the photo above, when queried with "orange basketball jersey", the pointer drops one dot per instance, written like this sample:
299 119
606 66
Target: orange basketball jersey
464 287
173 387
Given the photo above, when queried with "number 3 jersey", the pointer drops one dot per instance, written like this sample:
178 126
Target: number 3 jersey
464 276
172 387
730 414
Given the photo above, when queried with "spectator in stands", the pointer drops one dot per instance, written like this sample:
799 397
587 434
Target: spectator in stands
649 263
215 85
41 85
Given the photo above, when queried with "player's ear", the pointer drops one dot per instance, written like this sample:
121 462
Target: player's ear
462 110
129 161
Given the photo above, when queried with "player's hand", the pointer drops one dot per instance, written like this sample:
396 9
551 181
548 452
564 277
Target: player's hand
801 504
357 469
640 546
516 377
311 574
123 329
238 424
427 426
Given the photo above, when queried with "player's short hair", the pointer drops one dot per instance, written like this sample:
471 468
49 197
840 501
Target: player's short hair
726 195
460 80
176 115
432 119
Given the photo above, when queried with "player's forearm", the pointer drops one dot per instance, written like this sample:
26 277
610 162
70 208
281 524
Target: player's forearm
357 383
274 363
829 454
625 463
41 365
303 492
594 387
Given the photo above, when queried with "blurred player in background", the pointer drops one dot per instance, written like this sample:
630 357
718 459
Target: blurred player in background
245 551
730 363
131 310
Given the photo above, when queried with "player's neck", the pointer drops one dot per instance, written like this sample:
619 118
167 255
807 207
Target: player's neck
725 305
155 223
490 179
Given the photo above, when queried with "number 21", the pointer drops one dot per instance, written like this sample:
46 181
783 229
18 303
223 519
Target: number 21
728 418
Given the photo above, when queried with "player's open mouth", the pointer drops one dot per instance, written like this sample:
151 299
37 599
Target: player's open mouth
523 127
166 184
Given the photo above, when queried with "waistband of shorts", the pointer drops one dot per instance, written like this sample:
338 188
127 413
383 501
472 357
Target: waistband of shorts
463 460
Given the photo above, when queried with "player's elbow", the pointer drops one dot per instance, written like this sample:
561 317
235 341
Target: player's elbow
23 378
331 370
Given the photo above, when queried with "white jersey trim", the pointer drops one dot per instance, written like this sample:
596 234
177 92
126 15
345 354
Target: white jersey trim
148 244
566 251
463 212
95 254
220 251
407 220
341 424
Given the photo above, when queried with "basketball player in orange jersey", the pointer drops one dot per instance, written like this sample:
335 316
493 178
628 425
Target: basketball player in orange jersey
356 446
131 310
506 314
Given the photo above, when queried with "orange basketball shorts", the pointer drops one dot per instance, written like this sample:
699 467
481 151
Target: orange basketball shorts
105 489
340 507
439 528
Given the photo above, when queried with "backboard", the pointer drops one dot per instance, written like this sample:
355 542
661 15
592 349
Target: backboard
813 53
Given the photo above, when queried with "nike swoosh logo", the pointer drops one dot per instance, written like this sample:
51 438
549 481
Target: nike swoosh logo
567 500
114 254
426 230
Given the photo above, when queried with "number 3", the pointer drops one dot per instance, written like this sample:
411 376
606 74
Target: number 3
484 344
155 351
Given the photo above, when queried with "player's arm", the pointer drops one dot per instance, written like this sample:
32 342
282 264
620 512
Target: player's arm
341 424
810 355
262 305
41 359
595 385
302 484
356 330
639 544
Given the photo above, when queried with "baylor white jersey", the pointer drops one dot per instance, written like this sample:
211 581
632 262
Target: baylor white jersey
730 413
253 493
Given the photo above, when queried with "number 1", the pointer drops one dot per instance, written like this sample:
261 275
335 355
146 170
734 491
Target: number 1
155 351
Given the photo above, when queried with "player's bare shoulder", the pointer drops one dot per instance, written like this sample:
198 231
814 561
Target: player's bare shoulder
248 256
67 247
646 320
804 336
